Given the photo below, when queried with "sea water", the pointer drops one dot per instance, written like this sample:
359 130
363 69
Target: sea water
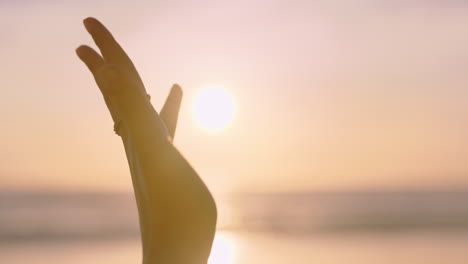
346 227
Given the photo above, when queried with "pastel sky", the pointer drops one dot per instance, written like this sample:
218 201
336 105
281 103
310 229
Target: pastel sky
328 94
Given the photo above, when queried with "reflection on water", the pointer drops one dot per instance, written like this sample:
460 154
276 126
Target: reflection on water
223 249
255 248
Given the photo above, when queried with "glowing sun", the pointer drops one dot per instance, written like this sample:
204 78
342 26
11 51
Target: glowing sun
213 108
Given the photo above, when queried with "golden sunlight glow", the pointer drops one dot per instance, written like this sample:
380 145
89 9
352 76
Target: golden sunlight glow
222 251
213 108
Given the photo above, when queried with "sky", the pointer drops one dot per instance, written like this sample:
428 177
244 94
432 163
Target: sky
328 95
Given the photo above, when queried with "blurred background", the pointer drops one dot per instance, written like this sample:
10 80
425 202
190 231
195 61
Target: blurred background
347 143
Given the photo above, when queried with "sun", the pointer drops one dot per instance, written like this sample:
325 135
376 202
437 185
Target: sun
213 108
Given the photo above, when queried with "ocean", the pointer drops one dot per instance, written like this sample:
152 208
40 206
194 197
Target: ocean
308 227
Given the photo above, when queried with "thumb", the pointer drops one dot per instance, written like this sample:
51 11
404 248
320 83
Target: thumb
170 111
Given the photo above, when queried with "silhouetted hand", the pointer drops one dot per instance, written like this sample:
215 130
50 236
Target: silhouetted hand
177 213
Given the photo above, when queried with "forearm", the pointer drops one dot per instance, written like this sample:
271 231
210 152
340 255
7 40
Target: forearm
177 212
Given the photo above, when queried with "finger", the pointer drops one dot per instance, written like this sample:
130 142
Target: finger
170 111
112 80
96 65
117 84
90 57
110 49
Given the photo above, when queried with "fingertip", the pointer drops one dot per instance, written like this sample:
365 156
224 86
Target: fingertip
89 20
89 23
80 50
176 89
90 57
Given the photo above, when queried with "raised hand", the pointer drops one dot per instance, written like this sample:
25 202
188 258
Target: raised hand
177 213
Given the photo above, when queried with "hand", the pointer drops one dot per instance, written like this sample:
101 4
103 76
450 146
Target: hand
177 213
119 81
